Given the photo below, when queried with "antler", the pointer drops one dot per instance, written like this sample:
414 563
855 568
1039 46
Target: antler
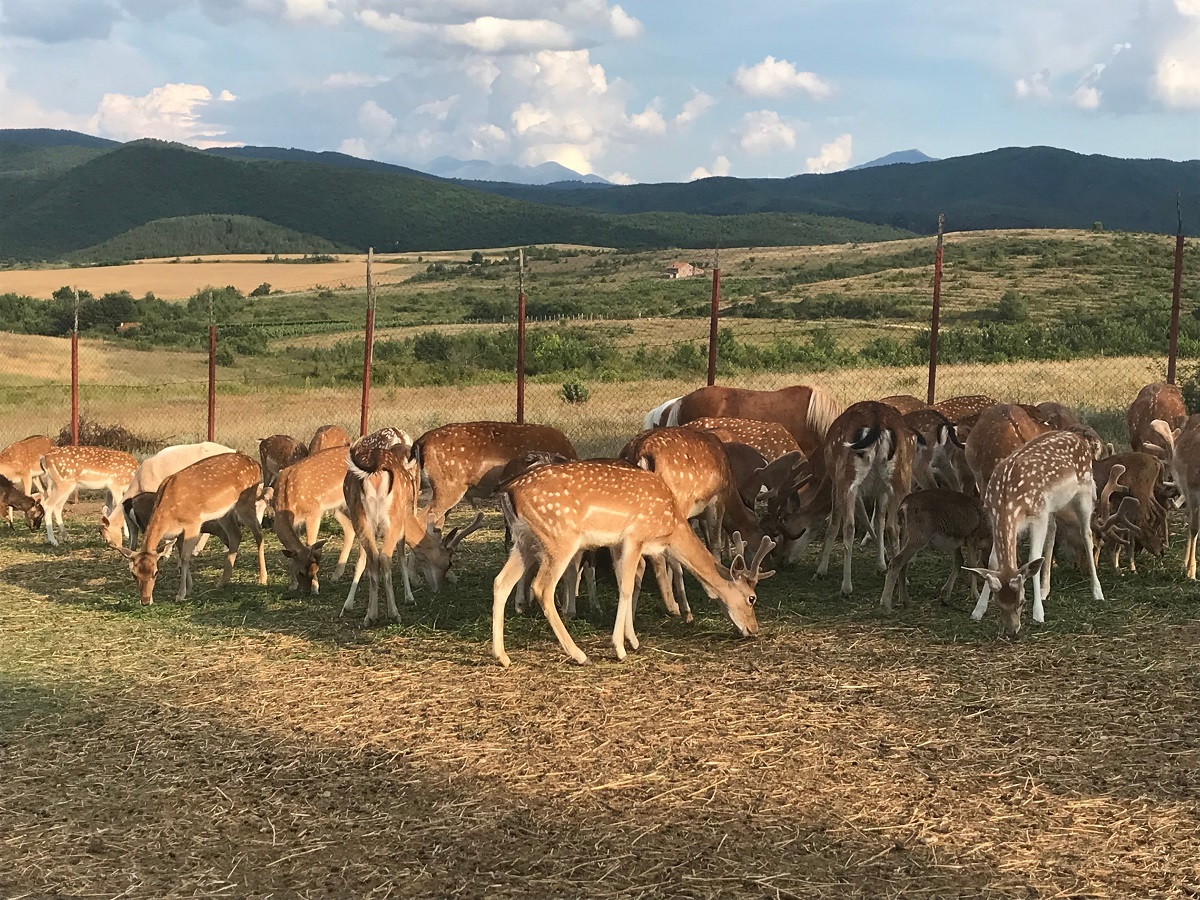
737 545
455 537
765 547
1114 478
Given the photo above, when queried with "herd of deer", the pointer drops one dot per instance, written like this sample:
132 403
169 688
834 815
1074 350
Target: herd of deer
968 475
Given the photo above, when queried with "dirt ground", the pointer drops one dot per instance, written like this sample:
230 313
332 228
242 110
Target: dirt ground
248 743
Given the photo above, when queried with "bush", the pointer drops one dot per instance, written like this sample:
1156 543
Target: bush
115 437
261 291
1012 308
224 357
1190 385
574 392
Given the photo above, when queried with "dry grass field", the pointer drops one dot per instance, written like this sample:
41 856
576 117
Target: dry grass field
249 743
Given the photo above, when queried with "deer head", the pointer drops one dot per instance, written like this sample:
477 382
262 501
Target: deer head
1009 594
306 564
436 551
737 593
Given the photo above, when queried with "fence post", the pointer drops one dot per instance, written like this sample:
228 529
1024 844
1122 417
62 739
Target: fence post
212 369
369 347
75 375
1171 353
521 336
713 315
937 312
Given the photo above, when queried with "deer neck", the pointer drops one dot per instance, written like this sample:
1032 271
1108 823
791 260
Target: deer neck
695 557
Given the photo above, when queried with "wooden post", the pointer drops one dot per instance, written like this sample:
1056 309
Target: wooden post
1174 345
75 375
369 347
521 337
713 316
937 311
212 369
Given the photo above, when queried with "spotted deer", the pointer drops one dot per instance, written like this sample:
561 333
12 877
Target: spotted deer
90 468
466 459
1183 456
20 464
904 403
556 511
939 459
1051 472
12 497
770 439
958 408
1155 401
327 437
222 491
304 492
276 453
998 432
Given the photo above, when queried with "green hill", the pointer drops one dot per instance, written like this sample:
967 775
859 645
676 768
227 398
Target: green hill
50 215
200 235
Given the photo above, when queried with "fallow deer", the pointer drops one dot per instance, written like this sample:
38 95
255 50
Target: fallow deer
150 474
945 520
1155 401
20 463
466 459
276 453
1051 472
387 438
304 492
868 455
1140 476
1183 456
12 497
1056 415
958 408
940 460
223 489
327 437
904 403
999 431
770 439
556 511
91 468
805 410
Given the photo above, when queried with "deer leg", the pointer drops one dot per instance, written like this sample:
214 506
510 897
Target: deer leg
851 498
955 566
51 507
832 527
882 528
550 572
1084 510
1048 553
512 572
231 535
1038 533
664 575
626 560
347 543
187 548
985 593
405 579
589 564
384 561
359 567
679 590
897 571
570 584
1193 533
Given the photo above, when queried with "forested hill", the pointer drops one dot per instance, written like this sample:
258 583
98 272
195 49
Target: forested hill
50 212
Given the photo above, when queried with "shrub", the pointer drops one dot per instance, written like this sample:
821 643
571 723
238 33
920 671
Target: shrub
224 357
115 437
574 392
261 291
1012 308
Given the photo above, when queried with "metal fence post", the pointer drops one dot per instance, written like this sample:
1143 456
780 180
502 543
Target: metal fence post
75 374
713 316
937 312
1174 346
212 369
369 347
521 337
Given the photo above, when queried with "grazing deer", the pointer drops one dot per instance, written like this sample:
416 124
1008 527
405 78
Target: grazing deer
276 453
387 438
1056 415
12 497
868 455
1050 473
327 437
946 520
1183 456
1145 524
939 460
770 439
556 511
91 468
304 492
152 472
904 403
466 459
958 408
999 431
221 493
20 463
1155 401
805 410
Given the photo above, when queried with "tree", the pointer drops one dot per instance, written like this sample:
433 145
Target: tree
477 258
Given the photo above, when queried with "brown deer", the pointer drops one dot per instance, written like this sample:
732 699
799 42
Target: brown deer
20 463
223 490
999 431
868 455
939 459
805 410
770 439
304 492
1155 401
327 437
276 453
946 520
1051 472
958 408
904 403
91 468
466 459
12 497
1056 415
1140 475
387 438
1183 456
556 511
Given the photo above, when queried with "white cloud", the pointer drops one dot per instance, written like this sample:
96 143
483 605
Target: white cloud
375 120
649 121
720 169
170 112
620 178
624 26
226 97
1177 80
486 34
695 108
775 78
352 80
1086 96
315 10
1035 87
764 132
833 157
438 109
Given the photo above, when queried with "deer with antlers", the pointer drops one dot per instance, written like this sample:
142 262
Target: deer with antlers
556 511
1183 456
91 468
1155 401
20 463
1051 472
215 495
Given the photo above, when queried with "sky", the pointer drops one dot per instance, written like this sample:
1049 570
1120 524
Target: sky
637 91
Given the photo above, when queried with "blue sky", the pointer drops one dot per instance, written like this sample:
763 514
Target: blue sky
635 91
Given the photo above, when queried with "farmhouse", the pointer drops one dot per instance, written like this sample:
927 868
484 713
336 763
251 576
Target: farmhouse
681 270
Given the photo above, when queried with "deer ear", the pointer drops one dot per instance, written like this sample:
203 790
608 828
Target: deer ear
1031 568
318 545
124 551
991 577
288 553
